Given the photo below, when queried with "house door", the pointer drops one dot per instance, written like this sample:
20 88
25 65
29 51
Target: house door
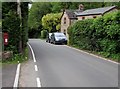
64 31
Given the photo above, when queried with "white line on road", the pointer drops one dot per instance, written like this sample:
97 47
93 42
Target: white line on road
32 52
17 77
36 68
38 82
92 54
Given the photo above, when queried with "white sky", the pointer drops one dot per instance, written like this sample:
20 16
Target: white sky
30 5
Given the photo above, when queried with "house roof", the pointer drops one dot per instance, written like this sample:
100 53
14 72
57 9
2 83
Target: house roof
95 11
71 14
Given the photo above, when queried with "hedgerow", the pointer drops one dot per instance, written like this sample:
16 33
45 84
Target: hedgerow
100 35
43 34
11 24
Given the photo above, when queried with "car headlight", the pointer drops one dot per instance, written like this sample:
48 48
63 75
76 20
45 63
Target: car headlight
56 39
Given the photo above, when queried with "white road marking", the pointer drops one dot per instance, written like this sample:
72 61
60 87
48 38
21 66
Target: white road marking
36 68
38 82
32 52
17 77
92 54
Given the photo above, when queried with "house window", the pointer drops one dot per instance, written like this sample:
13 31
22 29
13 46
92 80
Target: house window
94 16
64 20
83 18
64 31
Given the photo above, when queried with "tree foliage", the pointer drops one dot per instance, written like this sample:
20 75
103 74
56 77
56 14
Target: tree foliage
11 24
39 9
51 22
36 13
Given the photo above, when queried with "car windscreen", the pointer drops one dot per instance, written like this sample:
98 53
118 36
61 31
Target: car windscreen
59 35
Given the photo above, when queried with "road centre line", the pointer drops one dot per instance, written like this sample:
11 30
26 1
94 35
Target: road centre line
38 82
32 52
92 54
36 68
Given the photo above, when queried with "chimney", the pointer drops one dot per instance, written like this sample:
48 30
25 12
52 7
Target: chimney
81 7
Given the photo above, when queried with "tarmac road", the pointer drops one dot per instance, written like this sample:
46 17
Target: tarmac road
61 66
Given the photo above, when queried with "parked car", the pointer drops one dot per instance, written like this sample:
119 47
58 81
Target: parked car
58 37
48 38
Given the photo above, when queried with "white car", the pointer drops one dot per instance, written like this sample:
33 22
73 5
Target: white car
48 38
58 38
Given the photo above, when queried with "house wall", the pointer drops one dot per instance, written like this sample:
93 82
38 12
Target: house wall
87 17
64 26
72 21
91 16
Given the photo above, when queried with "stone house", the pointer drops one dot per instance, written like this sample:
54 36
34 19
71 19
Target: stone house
70 16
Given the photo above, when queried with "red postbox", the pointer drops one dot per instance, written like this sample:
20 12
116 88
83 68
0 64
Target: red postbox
5 35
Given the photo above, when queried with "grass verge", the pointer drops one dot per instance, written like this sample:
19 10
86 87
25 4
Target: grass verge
113 57
17 57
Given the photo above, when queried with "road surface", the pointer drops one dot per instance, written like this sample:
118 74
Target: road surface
61 66
8 74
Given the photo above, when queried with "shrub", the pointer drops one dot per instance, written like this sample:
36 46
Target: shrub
43 33
101 34
14 26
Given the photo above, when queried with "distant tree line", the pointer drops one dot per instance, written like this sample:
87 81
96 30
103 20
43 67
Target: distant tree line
39 9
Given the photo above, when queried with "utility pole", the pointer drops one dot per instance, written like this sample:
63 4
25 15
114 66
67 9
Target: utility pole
19 13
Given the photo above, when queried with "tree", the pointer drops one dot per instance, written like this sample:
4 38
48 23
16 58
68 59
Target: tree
51 22
36 13
39 9
58 6
14 26
112 3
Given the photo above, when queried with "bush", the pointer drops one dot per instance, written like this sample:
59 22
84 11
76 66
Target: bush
43 33
101 34
11 25
16 28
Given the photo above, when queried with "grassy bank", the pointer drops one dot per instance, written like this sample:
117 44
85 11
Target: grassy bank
17 57
113 57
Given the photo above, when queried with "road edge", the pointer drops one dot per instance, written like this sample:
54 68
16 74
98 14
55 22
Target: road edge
92 54
34 59
17 76
32 52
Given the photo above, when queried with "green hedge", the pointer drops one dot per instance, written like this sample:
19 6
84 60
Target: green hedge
43 33
11 24
100 35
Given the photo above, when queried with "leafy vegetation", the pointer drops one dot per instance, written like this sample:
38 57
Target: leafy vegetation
14 26
17 58
40 9
51 22
35 16
100 35
17 29
43 34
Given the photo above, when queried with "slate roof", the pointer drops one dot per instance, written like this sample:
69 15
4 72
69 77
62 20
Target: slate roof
71 14
95 11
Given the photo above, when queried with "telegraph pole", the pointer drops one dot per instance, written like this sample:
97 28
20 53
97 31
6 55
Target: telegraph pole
19 13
